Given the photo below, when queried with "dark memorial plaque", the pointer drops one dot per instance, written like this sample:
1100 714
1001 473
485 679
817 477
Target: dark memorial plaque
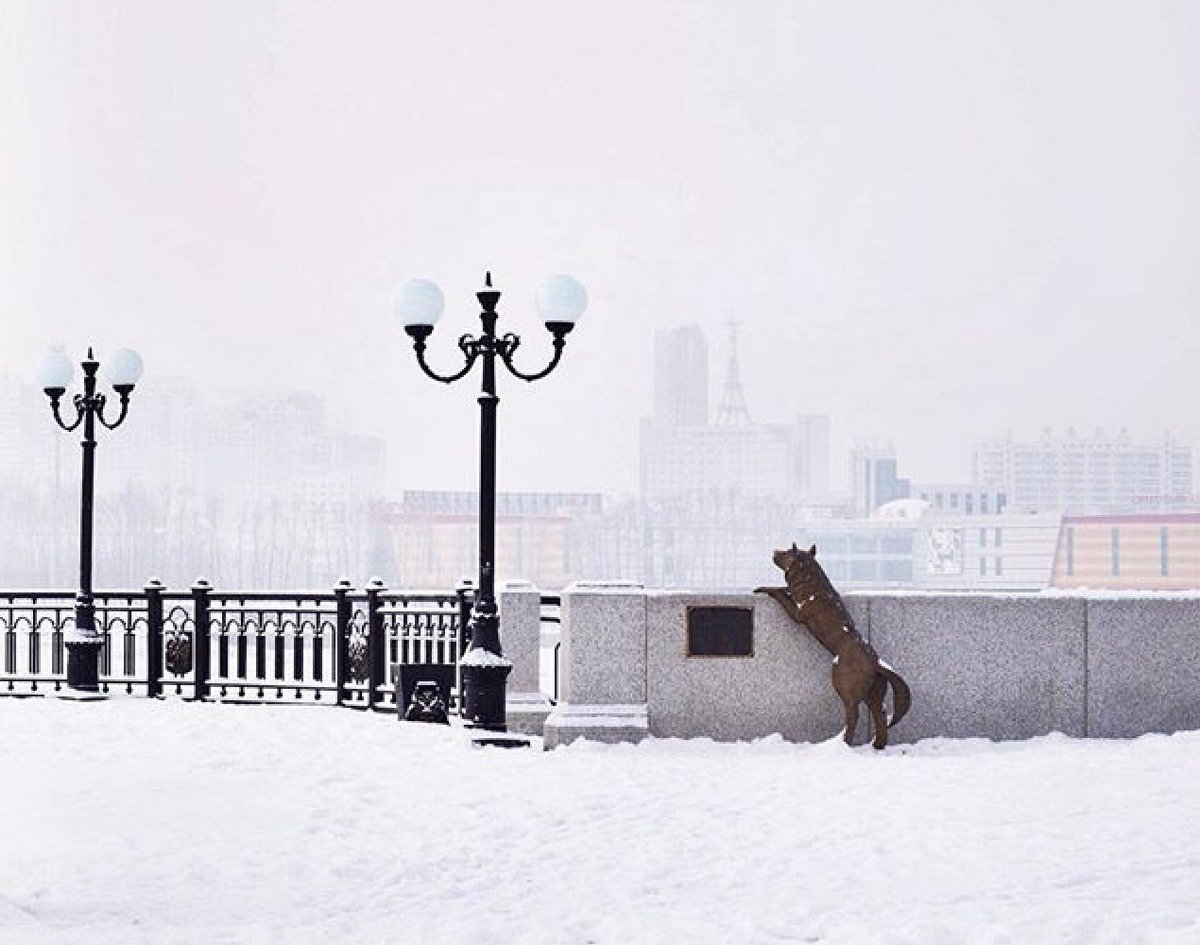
720 631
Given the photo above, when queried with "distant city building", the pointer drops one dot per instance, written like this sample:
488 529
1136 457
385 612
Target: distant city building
875 479
718 496
1129 552
434 536
686 460
730 465
29 439
904 544
955 498
1099 473
250 448
252 491
960 550
681 377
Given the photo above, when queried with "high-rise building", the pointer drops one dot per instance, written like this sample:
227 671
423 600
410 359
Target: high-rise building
690 462
875 479
1098 473
681 377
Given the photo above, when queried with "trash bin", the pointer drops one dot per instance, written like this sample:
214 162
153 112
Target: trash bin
423 692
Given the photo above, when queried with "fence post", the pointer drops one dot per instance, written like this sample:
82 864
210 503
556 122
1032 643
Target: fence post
466 597
376 648
200 637
154 627
342 640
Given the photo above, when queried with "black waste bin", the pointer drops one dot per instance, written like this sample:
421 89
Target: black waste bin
409 676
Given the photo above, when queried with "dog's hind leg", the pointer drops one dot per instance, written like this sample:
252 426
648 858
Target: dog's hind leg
851 721
878 716
844 686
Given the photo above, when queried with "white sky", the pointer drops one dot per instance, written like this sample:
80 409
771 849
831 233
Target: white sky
934 221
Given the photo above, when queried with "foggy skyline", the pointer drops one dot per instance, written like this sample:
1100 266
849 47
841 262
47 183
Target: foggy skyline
934 223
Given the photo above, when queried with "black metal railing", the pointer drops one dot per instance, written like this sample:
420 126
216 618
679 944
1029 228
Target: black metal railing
337 647
551 623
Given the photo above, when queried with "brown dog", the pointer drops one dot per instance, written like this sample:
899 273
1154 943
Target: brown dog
859 675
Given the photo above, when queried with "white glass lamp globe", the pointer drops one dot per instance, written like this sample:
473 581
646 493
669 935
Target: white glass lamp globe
124 368
55 371
418 302
561 299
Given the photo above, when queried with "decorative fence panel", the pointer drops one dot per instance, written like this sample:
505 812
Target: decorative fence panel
269 647
333 648
32 627
123 622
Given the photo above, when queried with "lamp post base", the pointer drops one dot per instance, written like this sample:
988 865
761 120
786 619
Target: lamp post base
484 691
83 667
499 740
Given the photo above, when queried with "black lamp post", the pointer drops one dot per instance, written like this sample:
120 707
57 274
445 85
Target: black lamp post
561 300
83 646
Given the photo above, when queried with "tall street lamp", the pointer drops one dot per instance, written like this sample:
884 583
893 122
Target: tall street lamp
418 306
123 372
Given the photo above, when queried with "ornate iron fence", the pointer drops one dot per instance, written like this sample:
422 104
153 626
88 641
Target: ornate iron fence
337 647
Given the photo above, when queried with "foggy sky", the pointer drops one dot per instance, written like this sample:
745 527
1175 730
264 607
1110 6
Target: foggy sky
934 221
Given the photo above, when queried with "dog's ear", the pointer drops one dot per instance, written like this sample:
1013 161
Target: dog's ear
813 551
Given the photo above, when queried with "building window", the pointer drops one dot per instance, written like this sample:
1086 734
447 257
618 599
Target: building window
1070 550
996 537
1116 551
1001 502
1164 560
982 566
983 503
969 503
999 566
983 538
954 500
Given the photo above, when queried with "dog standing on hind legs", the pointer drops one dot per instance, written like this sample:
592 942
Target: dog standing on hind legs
859 675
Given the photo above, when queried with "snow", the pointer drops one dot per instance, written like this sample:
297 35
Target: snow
478 656
135 821
1089 593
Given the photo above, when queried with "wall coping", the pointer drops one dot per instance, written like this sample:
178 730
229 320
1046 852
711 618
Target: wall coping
1098 594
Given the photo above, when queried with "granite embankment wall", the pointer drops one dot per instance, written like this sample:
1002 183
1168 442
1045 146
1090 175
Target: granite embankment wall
997 666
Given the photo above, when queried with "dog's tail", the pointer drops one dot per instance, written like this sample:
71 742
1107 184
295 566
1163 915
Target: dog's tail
901 695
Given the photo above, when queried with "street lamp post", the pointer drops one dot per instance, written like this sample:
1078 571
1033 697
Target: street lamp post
124 371
418 304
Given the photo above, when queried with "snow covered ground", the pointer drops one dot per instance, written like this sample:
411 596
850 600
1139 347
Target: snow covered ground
135 821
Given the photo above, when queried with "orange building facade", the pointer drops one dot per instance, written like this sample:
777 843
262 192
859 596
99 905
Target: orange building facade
434 536
1129 552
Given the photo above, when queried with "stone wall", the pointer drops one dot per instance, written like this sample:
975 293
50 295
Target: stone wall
520 608
996 666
